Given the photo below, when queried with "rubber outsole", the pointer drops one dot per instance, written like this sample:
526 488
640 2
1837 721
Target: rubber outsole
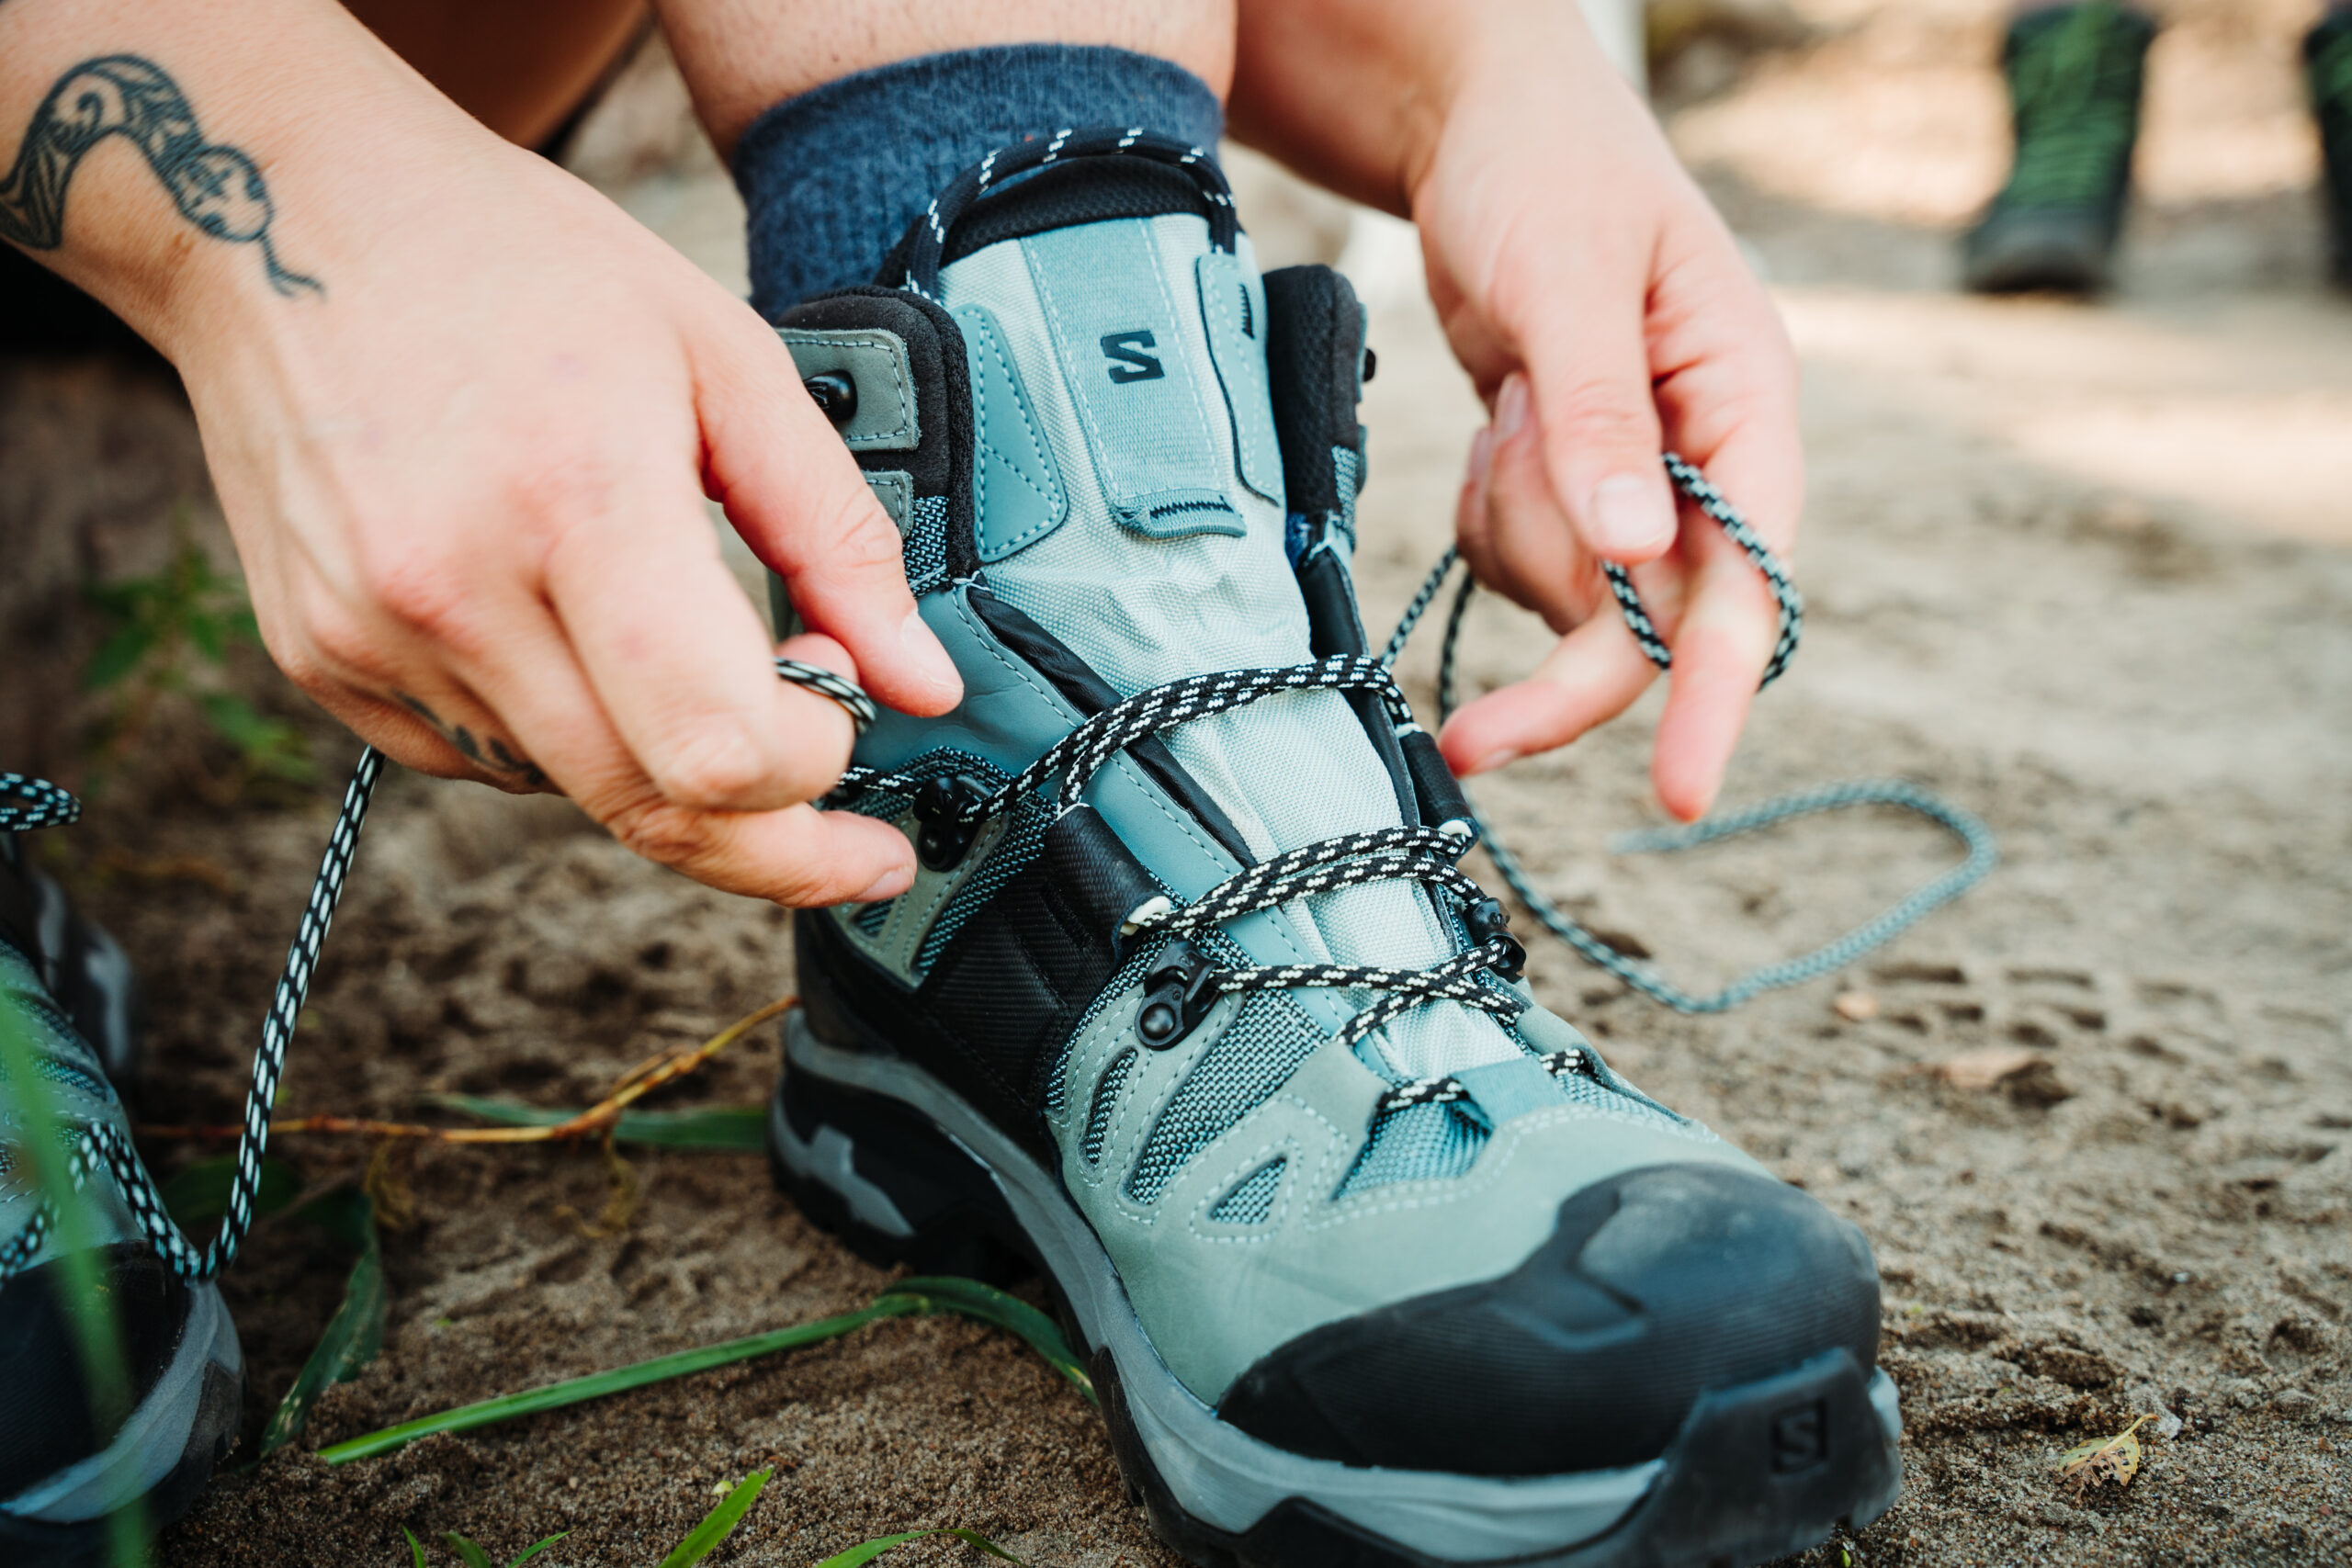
213 1410
1756 1471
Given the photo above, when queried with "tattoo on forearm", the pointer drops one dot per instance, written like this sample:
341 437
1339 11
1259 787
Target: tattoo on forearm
487 751
218 188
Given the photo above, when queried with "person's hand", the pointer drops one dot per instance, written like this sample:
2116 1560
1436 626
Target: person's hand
1603 310
467 483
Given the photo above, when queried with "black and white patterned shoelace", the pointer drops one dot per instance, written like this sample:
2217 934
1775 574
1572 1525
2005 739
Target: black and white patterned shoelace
1976 838
1429 855
1416 854
43 804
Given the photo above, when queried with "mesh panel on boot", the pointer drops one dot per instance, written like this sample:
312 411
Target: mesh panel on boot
1253 1198
1267 1040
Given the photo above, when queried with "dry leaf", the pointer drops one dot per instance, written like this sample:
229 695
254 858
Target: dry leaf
2103 1460
1855 1007
1988 1067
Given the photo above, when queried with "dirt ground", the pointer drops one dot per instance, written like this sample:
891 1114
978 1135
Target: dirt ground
2085 570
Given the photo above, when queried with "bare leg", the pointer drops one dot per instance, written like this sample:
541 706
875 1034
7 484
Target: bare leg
740 56
519 66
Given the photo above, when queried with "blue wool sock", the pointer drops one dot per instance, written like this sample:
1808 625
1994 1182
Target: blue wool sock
833 177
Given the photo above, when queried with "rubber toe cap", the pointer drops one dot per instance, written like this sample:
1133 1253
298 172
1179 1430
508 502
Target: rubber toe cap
1658 1285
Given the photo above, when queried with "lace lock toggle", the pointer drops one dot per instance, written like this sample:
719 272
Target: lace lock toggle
940 804
1178 991
1486 920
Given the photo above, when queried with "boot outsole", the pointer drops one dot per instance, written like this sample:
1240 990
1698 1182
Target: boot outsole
1757 1471
210 1434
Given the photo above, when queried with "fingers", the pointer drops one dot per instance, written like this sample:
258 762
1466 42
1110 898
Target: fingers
1513 532
679 661
500 693
799 857
1590 676
1717 658
795 855
465 728
1727 390
1587 369
794 493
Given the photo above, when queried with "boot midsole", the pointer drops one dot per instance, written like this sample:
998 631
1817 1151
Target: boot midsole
1220 1474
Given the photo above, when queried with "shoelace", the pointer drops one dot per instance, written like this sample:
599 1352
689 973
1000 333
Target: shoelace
1474 976
46 806
1976 838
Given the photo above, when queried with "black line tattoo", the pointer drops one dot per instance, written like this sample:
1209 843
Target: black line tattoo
218 188
501 758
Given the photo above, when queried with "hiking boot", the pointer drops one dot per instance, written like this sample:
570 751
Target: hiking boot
1374 1259
2075 76
69 1466
2327 69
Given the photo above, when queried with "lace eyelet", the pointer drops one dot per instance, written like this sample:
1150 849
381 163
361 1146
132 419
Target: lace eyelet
1178 993
945 839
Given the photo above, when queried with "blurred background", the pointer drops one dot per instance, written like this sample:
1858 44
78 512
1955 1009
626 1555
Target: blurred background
2081 561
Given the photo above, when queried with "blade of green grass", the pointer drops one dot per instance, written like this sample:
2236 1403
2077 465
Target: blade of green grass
535 1549
735 1128
719 1523
199 1196
355 1334
469 1554
73 1251
963 1298
969 1298
572 1390
416 1551
866 1551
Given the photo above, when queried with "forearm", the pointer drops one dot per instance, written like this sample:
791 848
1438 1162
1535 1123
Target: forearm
1355 93
206 169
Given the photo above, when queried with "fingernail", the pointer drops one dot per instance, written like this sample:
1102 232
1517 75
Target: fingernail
1482 454
890 885
1500 757
938 670
1511 408
1630 517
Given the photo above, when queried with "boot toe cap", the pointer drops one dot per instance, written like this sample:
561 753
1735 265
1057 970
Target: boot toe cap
1658 1286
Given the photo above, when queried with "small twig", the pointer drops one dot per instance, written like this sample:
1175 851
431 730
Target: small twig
597 1121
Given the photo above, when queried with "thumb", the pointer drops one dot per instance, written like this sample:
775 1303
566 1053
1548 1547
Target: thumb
794 494
1598 416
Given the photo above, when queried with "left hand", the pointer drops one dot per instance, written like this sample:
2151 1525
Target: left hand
1603 310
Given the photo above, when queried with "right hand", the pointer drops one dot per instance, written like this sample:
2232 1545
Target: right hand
466 484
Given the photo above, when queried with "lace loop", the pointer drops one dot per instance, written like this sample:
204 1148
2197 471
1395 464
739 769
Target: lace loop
98 1144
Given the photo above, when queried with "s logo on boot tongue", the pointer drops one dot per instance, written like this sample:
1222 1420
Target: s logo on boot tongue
1129 363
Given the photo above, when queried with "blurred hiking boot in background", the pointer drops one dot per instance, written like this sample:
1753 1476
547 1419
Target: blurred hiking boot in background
83 1443
2075 76
2327 67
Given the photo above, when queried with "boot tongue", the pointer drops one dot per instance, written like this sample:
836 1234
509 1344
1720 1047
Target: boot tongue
1129 499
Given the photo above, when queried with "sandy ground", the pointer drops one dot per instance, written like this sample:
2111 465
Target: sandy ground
2083 569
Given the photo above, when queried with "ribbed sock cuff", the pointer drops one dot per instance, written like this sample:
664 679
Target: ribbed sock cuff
832 178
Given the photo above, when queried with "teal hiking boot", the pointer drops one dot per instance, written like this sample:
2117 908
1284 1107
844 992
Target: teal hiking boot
2327 69
69 1466
2074 74
1375 1261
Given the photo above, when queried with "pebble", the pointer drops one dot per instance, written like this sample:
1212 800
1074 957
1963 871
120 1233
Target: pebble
1855 1007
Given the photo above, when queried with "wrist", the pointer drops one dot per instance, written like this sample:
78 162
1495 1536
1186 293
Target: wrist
196 173
1488 64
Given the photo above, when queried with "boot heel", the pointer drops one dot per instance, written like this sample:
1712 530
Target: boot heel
888 1183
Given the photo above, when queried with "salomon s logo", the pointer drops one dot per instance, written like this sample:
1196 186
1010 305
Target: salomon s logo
1129 362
